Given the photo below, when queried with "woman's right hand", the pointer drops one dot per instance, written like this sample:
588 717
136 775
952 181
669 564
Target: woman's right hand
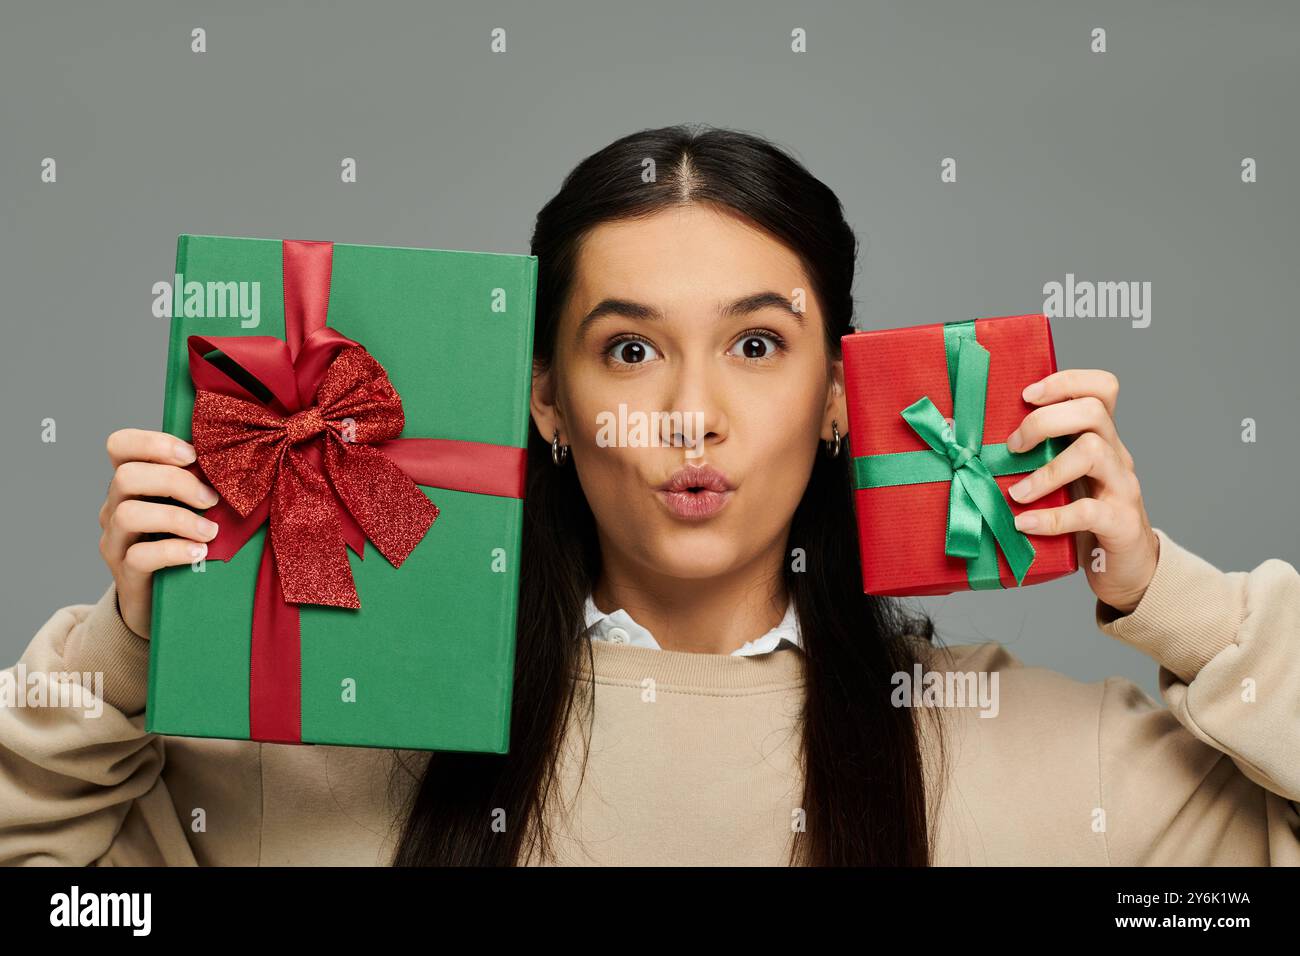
149 464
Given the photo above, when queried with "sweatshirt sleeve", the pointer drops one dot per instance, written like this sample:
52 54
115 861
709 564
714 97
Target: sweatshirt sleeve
79 777
1214 777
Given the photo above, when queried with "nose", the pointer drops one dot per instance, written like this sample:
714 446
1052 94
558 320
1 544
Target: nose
695 392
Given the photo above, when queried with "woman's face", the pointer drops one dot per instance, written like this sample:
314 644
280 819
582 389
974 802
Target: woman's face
683 312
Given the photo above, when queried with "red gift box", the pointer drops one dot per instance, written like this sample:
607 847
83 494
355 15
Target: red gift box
904 528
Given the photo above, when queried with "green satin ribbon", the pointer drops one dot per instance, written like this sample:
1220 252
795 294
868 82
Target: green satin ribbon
979 518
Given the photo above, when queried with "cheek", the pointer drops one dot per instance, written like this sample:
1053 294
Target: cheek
607 473
774 423
778 469
616 482
780 446
589 400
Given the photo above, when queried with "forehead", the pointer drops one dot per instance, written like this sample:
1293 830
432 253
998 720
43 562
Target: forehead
684 252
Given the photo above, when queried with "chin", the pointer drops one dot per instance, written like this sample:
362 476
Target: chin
692 557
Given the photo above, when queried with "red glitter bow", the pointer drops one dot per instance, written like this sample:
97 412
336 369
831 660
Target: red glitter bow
303 432
250 451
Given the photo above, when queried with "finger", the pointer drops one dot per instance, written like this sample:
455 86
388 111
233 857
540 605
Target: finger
1071 417
139 479
1089 455
134 517
1075 383
1124 455
137 444
1100 517
145 557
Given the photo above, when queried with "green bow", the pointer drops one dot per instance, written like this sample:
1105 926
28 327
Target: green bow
979 518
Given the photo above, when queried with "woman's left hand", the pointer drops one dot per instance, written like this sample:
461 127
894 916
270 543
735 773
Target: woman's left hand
1107 509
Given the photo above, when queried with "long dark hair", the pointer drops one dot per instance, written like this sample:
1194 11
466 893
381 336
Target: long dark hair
864 794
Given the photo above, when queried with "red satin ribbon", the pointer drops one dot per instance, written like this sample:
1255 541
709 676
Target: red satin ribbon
321 460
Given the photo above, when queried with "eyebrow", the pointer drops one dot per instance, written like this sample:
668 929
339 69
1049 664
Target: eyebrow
746 305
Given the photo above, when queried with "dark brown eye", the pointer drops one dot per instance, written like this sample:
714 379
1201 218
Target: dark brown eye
631 351
756 345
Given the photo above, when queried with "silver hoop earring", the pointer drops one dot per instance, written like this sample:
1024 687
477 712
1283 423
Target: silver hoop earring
559 453
833 446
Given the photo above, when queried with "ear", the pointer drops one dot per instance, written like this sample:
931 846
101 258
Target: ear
542 403
837 408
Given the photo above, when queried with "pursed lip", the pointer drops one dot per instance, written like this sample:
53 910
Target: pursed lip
697 477
695 492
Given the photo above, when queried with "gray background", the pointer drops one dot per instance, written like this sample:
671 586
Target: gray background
1114 166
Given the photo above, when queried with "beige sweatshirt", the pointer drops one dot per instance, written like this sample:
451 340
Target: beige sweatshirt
693 755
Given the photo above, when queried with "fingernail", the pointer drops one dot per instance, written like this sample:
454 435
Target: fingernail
198 550
1033 392
1013 440
1018 490
185 452
208 496
1028 521
207 528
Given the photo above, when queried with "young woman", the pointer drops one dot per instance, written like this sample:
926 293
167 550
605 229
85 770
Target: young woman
699 677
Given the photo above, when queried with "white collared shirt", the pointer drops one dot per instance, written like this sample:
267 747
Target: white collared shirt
619 628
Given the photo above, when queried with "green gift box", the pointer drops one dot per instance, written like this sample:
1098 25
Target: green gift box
363 412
